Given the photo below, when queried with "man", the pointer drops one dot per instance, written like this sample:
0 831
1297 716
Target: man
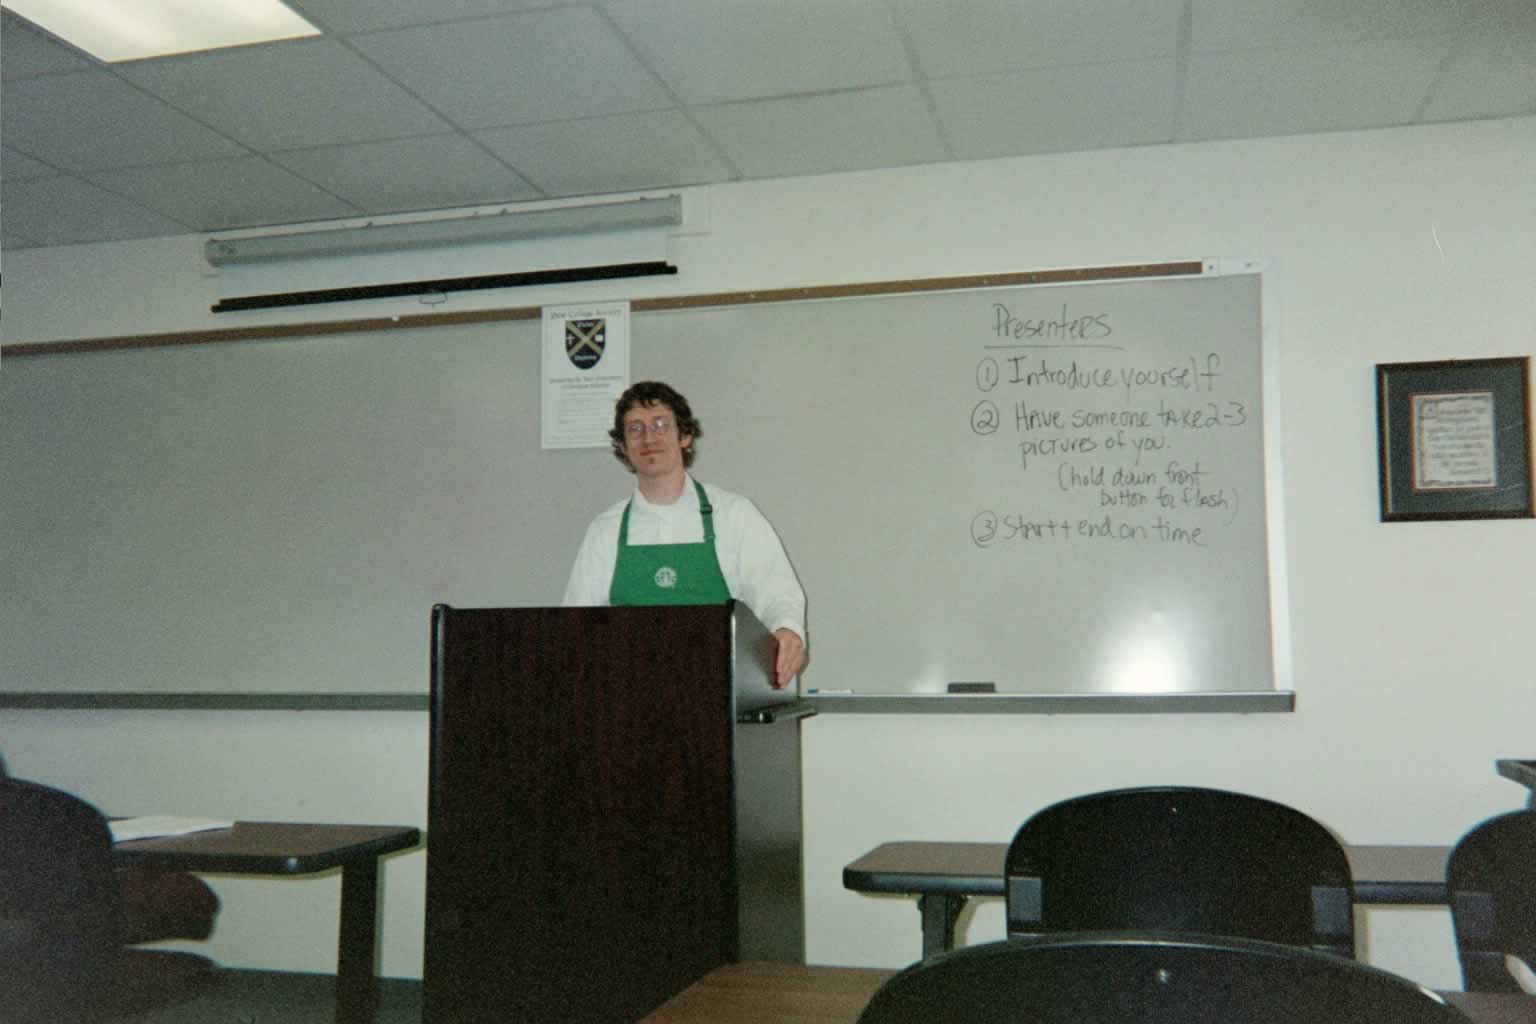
676 541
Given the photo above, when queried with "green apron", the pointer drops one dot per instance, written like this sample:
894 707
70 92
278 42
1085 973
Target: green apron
656 574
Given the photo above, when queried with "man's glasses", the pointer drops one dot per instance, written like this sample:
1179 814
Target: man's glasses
661 426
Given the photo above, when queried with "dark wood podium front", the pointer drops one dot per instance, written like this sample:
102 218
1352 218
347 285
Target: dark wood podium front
583 861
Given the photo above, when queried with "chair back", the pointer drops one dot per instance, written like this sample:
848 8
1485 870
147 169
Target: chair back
1149 978
59 906
1492 879
1186 859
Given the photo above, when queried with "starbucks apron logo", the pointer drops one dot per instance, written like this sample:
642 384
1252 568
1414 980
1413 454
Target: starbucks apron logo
666 577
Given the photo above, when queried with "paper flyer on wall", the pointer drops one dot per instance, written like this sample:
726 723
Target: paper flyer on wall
585 369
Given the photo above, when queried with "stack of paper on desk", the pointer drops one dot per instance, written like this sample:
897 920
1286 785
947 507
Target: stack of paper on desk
124 829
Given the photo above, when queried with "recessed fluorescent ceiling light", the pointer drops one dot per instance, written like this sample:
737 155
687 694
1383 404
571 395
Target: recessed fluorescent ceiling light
118 30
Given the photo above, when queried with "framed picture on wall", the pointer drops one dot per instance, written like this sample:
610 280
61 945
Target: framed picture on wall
1455 439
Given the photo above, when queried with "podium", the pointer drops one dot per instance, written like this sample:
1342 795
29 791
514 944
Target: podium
613 810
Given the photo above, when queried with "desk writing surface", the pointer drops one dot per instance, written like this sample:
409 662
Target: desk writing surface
759 992
973 869
1404 875
261 847
1399 874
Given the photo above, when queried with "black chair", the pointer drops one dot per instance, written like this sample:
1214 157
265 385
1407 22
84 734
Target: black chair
62 918
58 906
1492 878
1149 978
1184 859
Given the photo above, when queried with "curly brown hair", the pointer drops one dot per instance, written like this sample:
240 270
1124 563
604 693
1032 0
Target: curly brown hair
648 393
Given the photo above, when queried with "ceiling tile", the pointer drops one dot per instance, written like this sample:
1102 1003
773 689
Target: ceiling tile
623 153
92 120
605 96
266 96
371 15
1058 109
16 166
223 194
717 51
958 38
65 211
889 127
26 50
519 68
1492 71
1331 88
431 172
1219 25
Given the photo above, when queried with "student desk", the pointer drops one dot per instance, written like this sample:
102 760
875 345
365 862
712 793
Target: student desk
777 993
769 993
944 876
272 848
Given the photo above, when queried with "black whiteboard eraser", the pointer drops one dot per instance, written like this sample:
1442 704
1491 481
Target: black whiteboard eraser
972 687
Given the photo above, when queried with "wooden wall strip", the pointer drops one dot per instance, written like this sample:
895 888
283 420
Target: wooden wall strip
275 332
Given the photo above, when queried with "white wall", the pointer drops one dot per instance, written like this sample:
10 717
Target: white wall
1411 642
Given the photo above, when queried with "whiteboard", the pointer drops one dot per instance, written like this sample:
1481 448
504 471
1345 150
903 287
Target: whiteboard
1055 489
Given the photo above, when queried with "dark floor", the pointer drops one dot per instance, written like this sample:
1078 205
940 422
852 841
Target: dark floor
279 997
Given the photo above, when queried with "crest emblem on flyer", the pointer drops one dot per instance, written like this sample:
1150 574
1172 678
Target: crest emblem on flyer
584 341
666 577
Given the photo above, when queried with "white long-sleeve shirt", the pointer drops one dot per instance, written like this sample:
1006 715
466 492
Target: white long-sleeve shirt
752 559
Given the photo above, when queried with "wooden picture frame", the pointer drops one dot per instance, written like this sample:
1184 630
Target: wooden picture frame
1454 439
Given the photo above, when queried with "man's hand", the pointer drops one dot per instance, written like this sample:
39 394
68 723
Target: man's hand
790 658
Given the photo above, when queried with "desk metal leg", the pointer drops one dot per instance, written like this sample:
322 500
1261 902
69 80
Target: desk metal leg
939 912
356 977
